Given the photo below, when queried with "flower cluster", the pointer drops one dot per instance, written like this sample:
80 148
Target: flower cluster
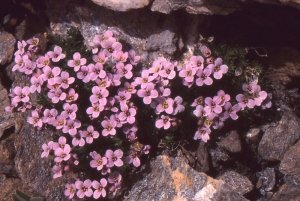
111 66
111 109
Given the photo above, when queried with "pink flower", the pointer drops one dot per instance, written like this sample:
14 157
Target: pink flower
98 161
109 127
96 71
231 111
57 54
99 95
178 107
35 119
218 68
203 77
110 47
114 158
249 87
19 63
21 47
91 134
65 80
167 71
122 97
71 127
197 61
119 56
244 101
77 61
69 111
165 105
50 74
224 97
62 141
57 95
130 87
59 122
21 94
84 188
57 170
100 58
213 104
188 73
28 67
115 178
47 148
133 58
95 110
62 154
258 95
71 96
205 51
103 83
133 158
148 93
127 114
36 82
99 188
70 190
202 133
267 103
84 74
163 122
49 115
78 139
43 61
156 68
110 105
200 111
144 80
124 70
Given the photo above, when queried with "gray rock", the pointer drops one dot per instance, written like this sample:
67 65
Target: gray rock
7 47
253 134
289 191
195 7
33 170
266 180
278 139
226 193
218 156
122 5
164 41
231 142
169 179
198 159
9 185
135 27
290 164
7 153
237 182
7 120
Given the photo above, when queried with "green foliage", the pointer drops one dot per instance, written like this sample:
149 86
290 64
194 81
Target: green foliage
20 196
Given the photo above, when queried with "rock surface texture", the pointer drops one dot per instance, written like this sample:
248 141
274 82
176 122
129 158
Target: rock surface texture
122 5
7 47
279 138
231 142
239 183
173 179
155 28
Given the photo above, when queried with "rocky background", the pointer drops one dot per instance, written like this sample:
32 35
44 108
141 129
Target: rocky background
260 163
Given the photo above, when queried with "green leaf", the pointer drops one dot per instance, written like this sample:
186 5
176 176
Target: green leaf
23 195
36 199
18 198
